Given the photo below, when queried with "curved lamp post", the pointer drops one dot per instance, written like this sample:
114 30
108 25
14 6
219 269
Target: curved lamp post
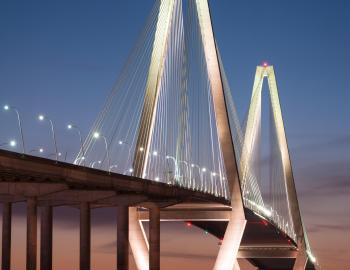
199 173
11 143
92 164
168 157
11 108
97 135
71 126
41 117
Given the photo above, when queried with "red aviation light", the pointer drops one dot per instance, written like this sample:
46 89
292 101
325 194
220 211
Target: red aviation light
264 222
188 224
265 64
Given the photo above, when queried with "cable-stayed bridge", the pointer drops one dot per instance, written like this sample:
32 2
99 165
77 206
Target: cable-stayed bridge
168 145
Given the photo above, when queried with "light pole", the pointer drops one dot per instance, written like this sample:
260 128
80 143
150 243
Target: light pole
97 136
40 150
71 126
77 159
214 188
52 154
131 170
188 172
11 143
122 143
113 166
203 170
92 164
41 117
175 164
8 108
199 172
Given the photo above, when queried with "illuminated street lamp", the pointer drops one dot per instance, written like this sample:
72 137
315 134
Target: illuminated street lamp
199 171
168 157
79 158
11 143
52 154
71 126
40 150
41 117
9 108
97 135
113 166
92 164
203 171
188 170
124 143
130 170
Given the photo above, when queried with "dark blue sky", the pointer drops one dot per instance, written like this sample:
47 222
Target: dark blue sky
62 58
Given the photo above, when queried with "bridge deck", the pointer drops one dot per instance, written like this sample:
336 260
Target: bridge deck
23 176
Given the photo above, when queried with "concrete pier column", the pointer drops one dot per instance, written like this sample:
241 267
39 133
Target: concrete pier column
122 238
85 236
154 238
31 233
46 238
6 236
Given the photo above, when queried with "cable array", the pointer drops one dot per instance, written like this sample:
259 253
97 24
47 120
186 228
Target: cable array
170 122
184 149
263 171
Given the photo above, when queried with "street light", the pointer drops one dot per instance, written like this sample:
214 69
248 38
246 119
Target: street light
124 143
41 117
97 135
79 158
40 150
71 126
92 164
214 187
8 108
203 170
199 171
113 166
11 143
168 157
52 154
188 171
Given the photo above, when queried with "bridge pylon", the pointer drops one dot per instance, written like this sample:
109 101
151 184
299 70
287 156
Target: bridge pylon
227 257
253 123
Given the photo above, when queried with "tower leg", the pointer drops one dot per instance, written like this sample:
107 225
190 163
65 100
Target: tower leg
85 236
227 257
138 241
31 233
300 260
46 238
237 266
6 235
154 238
123 238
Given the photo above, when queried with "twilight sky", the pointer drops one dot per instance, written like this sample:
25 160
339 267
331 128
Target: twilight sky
62 58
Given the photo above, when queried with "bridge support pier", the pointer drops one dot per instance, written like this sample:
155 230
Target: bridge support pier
138 241
46 238
154 238
31 233
6 235
122 238
85 236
